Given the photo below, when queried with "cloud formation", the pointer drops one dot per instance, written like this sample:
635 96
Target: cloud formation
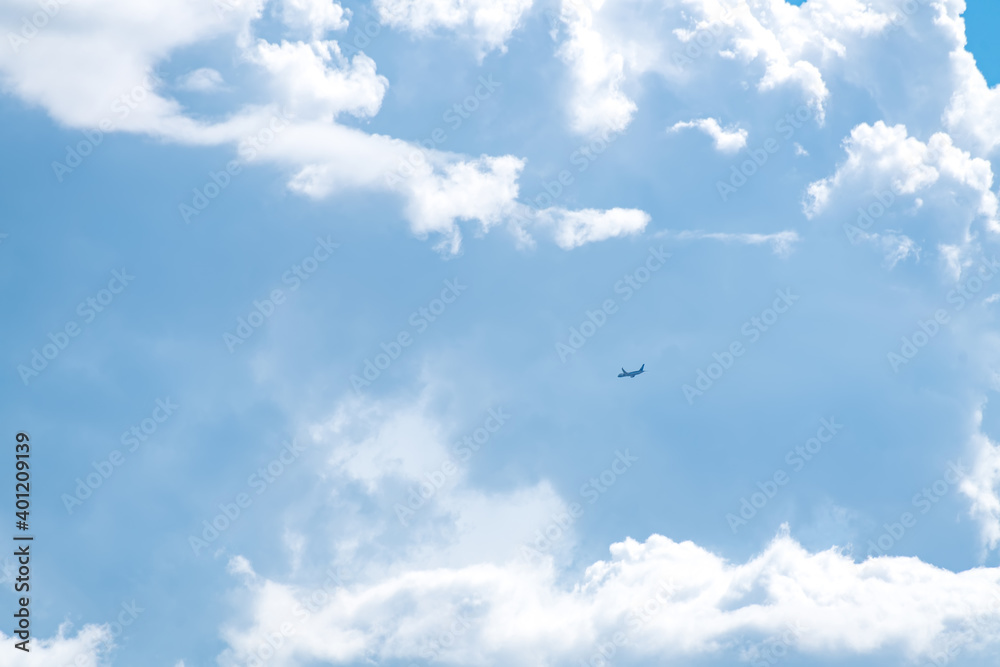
726 140
489 23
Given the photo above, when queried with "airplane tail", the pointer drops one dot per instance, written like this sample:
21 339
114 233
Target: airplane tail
642 367
624 371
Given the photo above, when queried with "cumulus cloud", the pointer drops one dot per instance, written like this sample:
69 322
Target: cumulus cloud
484 190
103 50
727 140
317 17
474 577
973 112
909 58
80 80
598 70
303 80
982 485
489 23
87 648
670 600
884 171
609 47
890 158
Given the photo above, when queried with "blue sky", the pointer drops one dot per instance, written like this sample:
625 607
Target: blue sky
589 143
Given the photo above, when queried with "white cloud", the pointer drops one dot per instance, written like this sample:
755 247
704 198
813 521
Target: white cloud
456 587
411 468
782 243
87 648
77 72
380 440
317 17
894 247
489 23
973 112
94 52
598 70
203 79
953 260
672 600
982 485
303 80
727 140
484 189
909 58
885 167
572 229
77 77
609 47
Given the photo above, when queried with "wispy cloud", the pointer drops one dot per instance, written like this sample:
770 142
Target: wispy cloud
202 80
782 243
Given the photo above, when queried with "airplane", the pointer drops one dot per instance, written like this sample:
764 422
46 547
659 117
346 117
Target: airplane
631 374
